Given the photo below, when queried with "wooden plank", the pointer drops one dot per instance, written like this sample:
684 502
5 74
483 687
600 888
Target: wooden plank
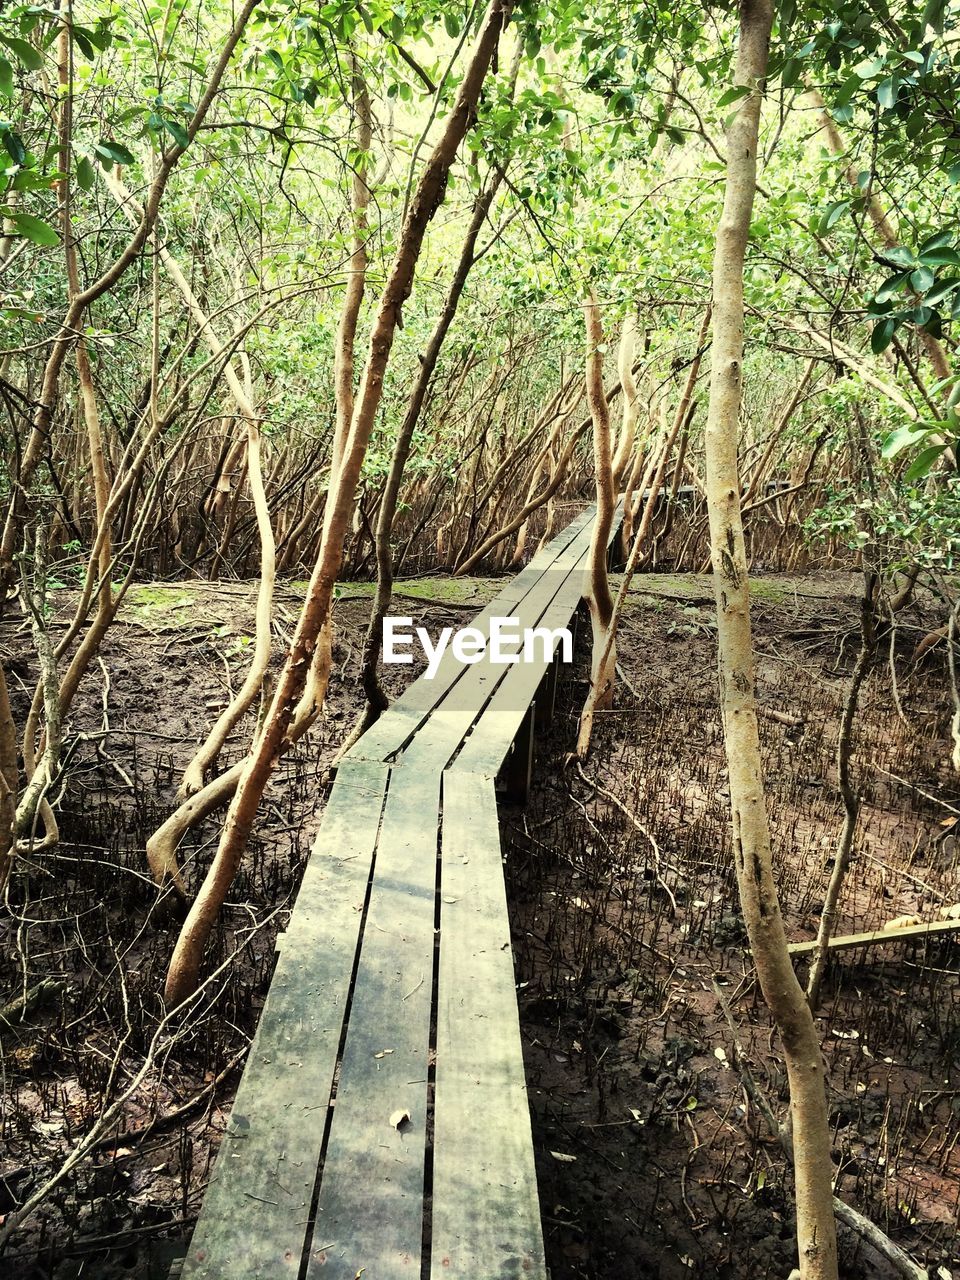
371 1197
254 1219
503 717
486 1214
453 719
396 727
370 1210
935 928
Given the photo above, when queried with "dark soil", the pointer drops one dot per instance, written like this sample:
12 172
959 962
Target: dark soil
88 935
653 1160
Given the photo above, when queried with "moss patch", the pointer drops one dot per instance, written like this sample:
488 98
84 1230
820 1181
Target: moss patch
160 602
465 592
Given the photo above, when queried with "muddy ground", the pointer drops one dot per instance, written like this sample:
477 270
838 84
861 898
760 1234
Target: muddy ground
639 1013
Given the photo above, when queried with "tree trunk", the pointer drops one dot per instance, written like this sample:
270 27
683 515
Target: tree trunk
8 782
848 793
72 322
656 470
623 456
597 589
306 669
343 356
816 1229
376 698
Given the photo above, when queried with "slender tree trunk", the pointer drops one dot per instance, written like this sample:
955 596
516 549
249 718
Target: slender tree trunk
343 356
882 226
848 793
59 696
597 587
9 780
307 666
775 435
816 1229
623 455
209 751
377 701
656 471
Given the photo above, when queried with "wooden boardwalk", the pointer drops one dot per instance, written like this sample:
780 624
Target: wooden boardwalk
381 1127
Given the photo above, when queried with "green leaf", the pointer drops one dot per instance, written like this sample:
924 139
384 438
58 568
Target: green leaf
35 229
887 92
877 307
898 256
882 334
733 94
941 290
30 180
83 42
833 215
27 54
892 286
944 257
936 241
923 462
177 132
15 148
85 174
99 39
921 279
451 24
933 15
115 152
869 68
849 87
902 438
926 318
6 78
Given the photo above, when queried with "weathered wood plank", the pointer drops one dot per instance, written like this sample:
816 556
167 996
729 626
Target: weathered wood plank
486 1214
370 1210
369 1216
876 937
396 727
462 708
503 716
254 1219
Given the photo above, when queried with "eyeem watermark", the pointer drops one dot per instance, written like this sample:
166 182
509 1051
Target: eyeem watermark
504 644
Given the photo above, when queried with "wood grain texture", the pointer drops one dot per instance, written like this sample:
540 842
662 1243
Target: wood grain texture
255 1212
486 1214
878 937
397 726
370 1211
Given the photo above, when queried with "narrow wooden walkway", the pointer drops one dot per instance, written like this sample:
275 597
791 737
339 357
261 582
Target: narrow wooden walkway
381 1128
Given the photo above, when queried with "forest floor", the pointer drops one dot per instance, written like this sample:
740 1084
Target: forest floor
653 1160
